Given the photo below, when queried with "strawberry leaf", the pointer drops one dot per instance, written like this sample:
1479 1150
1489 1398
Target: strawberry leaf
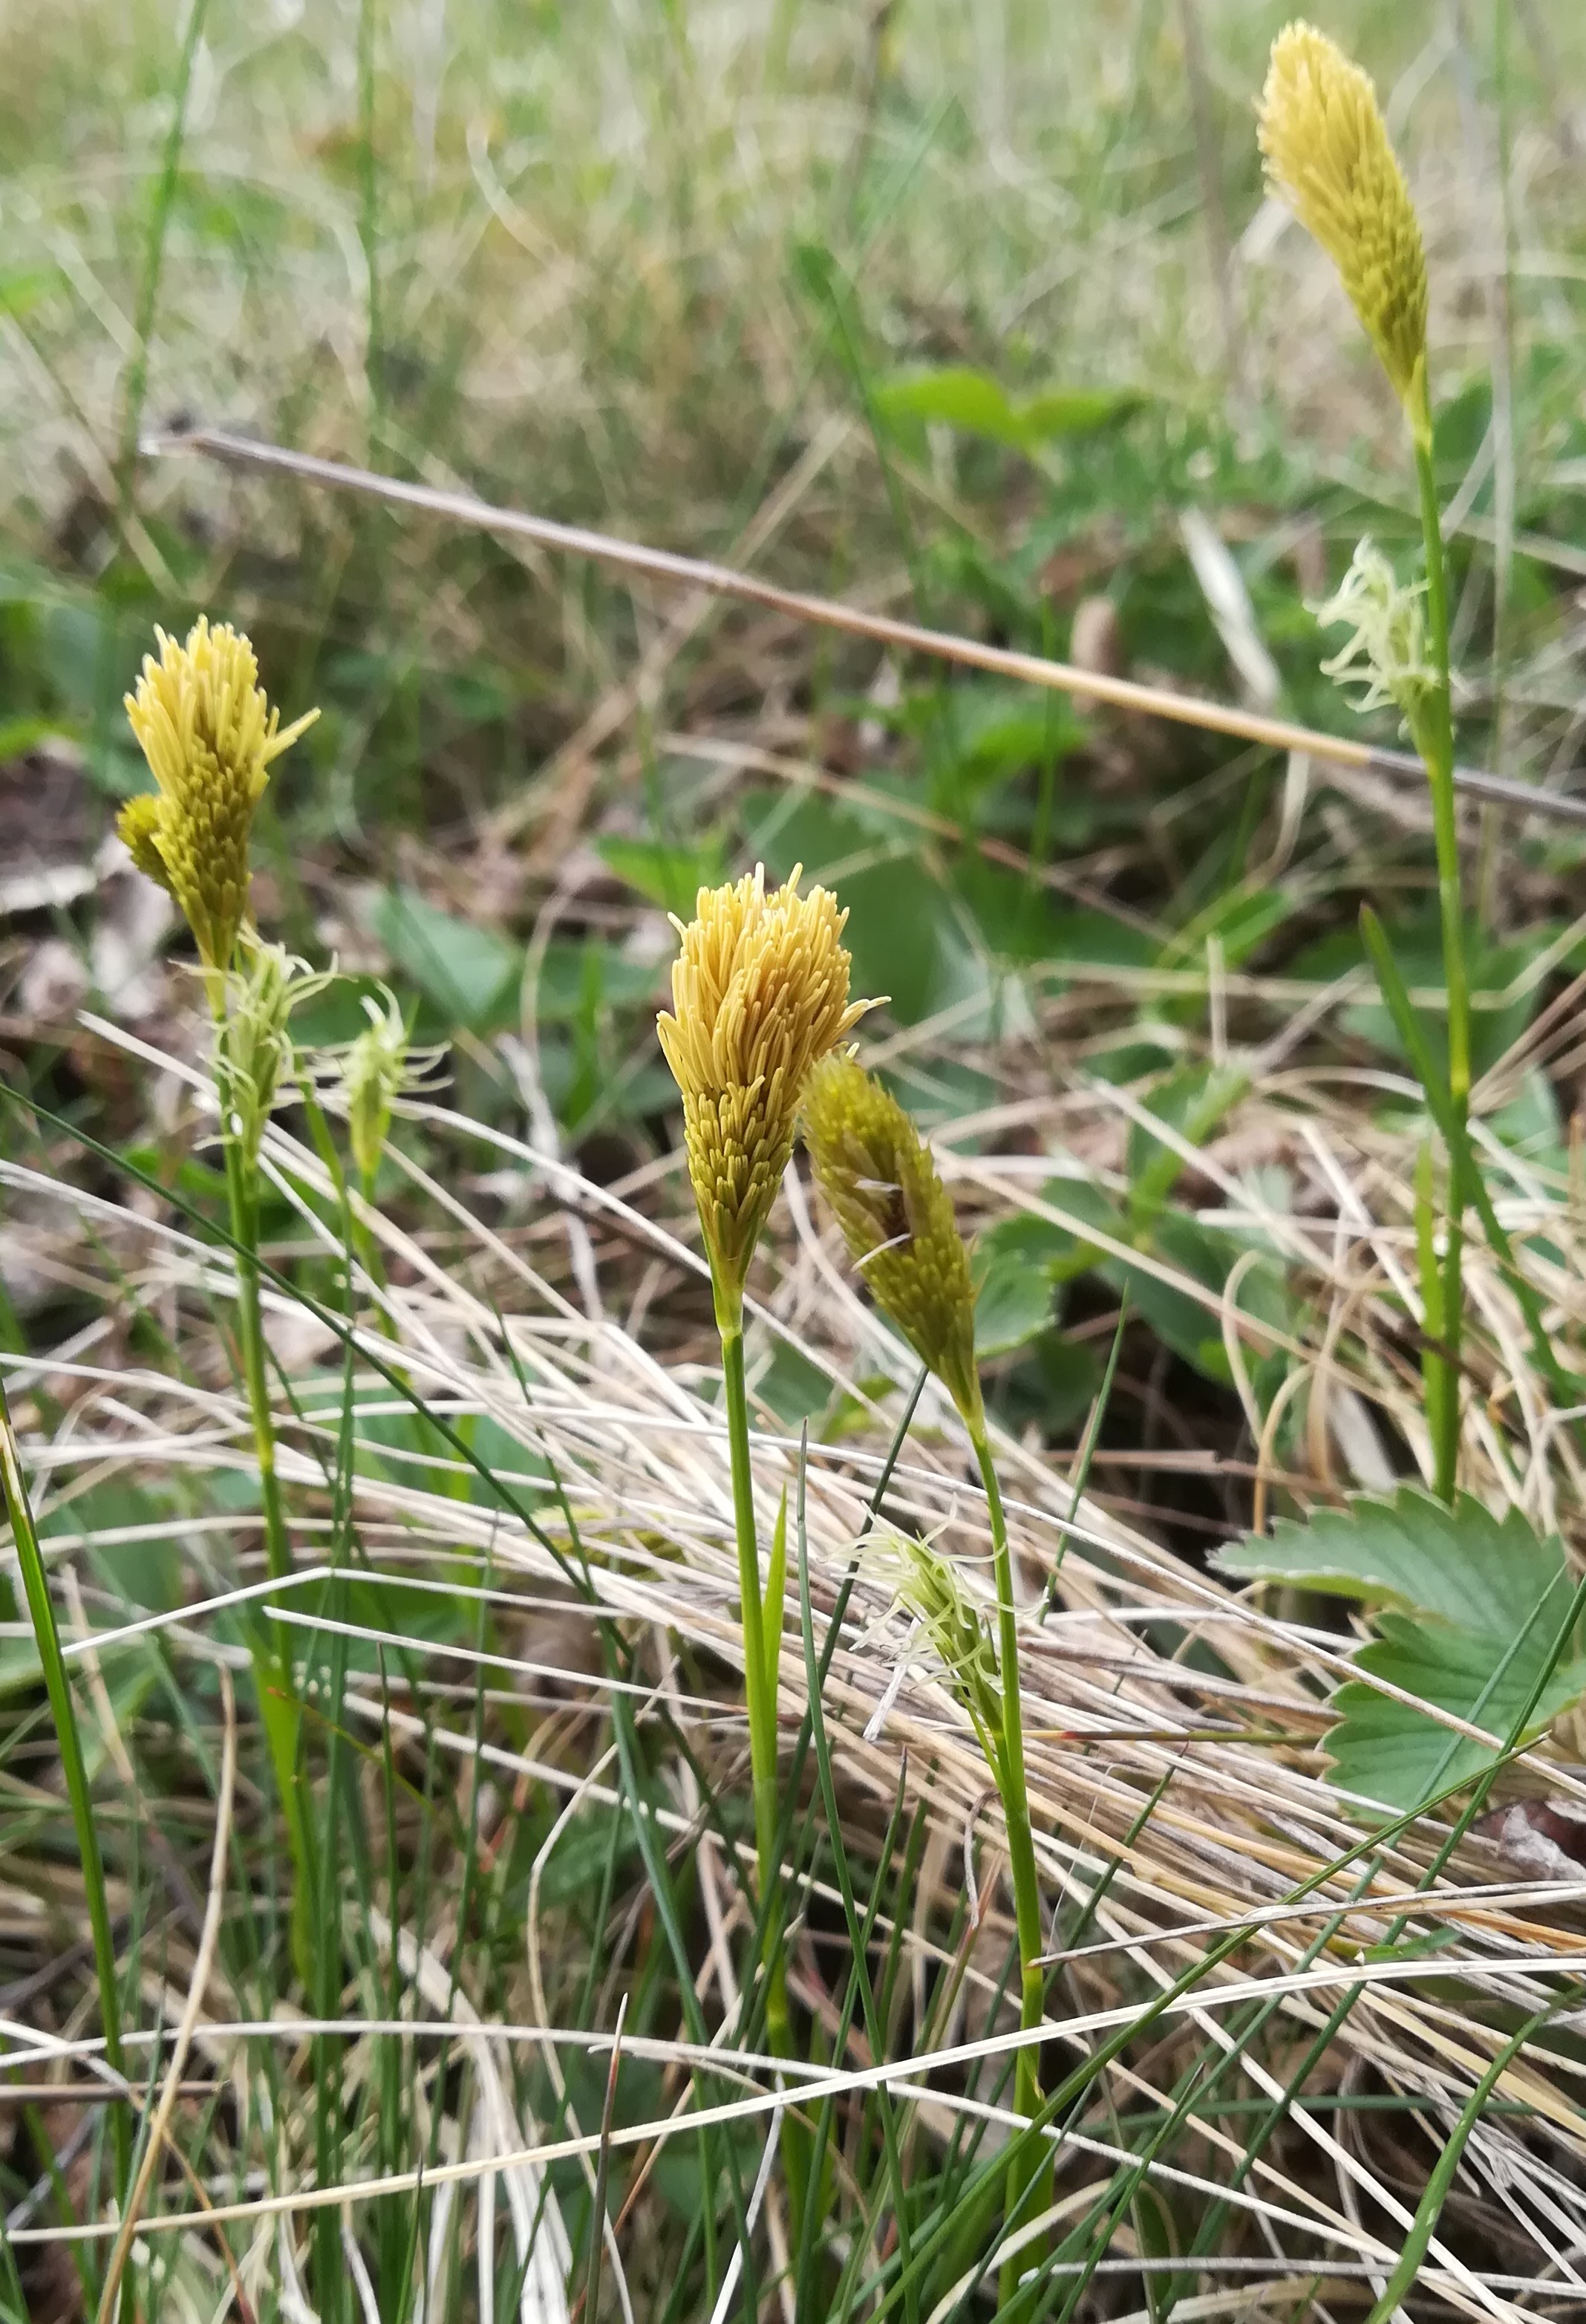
1469 1608
1461 1565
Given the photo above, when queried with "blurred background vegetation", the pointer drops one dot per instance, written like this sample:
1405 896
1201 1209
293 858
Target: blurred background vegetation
978 316
956 312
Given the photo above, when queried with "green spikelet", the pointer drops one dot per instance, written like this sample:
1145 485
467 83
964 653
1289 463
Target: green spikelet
897 1219
932 1590
373 1077
266 984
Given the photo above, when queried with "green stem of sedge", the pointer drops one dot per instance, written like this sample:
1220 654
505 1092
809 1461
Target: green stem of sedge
1433 737
759 1683
1436 1381
280 1711
74 1772
1021 1850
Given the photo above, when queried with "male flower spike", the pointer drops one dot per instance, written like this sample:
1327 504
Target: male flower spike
1328 152
759 996
209 736
897 1219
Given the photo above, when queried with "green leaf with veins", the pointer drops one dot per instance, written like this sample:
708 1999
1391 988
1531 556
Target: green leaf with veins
1389 1752
1462 1565
1470 1610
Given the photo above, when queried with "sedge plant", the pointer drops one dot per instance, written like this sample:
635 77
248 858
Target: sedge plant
760 997
898 1222
1328 153
210 735
364 1079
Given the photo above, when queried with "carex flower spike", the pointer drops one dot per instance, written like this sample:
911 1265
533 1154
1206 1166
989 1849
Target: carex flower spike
1328 152
209 736
759 996
897 1219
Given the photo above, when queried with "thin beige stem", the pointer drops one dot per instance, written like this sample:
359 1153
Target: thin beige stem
906 637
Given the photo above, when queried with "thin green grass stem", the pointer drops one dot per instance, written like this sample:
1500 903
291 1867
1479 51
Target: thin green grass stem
1439 1385
1021 1851
759 1683
280 1711
860 1928
255 1364
1429 2210
74 1772
136 385
1434 739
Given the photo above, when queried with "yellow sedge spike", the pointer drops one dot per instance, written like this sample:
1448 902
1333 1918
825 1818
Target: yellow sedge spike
209 736
759 996
897 1219
1327 149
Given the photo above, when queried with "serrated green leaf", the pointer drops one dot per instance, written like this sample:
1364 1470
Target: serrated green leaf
1389 1752
1461 1565
1456 1668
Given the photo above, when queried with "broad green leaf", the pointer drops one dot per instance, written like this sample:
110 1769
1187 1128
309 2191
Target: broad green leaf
939 1090
671 877
903 932
1191 1103
23 287
1480 1573
953 395
1014 1262
1024 921
580 979
1192 1327
468 974
1076 411
957 395
984 732
20 735
1087 1205
1389 1752
575 1867
1471 1608
1181 1322
1416 949
144 1571
1240 920
1531 1125
1052 1384
791 1388
1143 1050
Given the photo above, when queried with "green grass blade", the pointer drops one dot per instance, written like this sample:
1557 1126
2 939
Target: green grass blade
35 1583
1396 998
1430 2207
137 375
857 1939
